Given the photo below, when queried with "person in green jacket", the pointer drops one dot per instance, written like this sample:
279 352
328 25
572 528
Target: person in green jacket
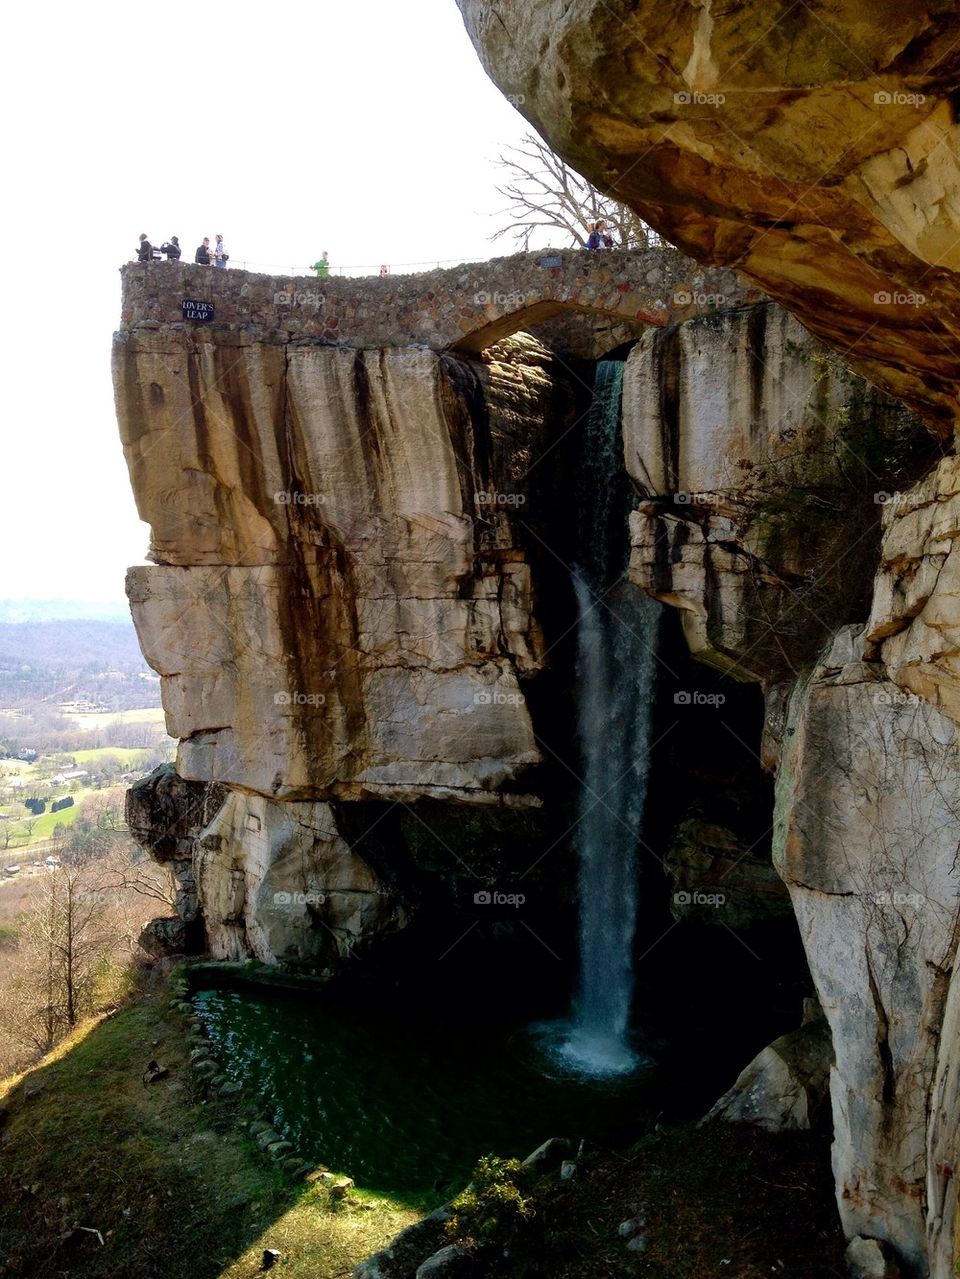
322 266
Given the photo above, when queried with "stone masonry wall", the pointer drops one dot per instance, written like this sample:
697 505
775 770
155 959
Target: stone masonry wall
468 307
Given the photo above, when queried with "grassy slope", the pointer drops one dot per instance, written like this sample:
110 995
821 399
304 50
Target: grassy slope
174 1184
178 1189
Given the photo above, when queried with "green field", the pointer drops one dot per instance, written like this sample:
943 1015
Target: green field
129 756
45 824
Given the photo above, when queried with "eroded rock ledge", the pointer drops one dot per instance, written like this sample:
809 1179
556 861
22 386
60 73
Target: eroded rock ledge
813 147
341 606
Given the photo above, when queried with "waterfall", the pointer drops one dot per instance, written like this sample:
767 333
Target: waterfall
616 646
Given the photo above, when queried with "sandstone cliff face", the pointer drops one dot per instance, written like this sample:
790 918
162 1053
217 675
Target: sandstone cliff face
914 625
867 802
745 439
812 146
816 147
340 607
352 578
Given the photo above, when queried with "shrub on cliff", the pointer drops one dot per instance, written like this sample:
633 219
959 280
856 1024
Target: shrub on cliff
495 1205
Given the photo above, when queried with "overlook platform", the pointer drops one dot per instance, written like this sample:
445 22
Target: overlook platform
465 308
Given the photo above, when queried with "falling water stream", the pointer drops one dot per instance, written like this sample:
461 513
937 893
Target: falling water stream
616 645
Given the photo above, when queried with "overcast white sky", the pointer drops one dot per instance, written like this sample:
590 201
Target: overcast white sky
366 128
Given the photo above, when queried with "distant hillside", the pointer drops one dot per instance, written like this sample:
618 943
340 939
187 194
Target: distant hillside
74 661
71 646
64 610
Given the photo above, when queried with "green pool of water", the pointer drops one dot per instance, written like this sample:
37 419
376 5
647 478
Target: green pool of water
405 1100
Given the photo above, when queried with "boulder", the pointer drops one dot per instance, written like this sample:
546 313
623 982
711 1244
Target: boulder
549 1156
278 881
870 1259
451 1262
785 1087
165 937
165 812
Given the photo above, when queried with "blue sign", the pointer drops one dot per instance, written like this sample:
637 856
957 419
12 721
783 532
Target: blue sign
194 309
551 264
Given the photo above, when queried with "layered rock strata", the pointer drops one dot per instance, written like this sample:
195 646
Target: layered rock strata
339 607
762 498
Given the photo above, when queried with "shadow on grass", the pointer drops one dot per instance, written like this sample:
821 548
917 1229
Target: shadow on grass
102 1175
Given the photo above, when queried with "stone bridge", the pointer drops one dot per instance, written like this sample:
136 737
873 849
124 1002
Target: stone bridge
465 308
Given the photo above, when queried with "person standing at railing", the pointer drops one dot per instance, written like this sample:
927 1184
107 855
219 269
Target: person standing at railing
202 255
171 249
220 253
600 237
322 266
145 250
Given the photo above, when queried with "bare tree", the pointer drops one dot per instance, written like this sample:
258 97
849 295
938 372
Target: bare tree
122 871
545 193
74 948
66 937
